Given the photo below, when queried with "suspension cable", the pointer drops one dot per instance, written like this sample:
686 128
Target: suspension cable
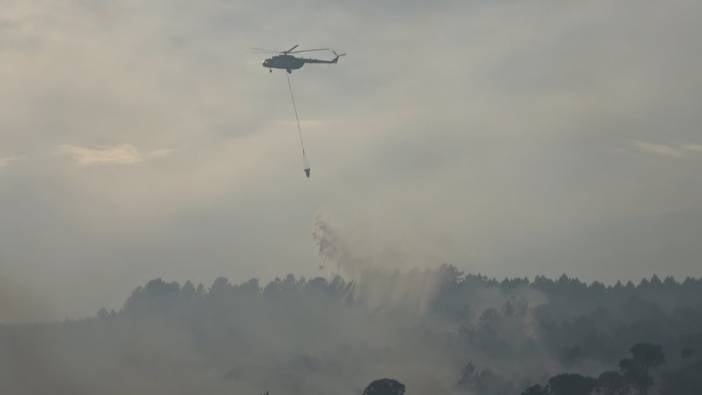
299 128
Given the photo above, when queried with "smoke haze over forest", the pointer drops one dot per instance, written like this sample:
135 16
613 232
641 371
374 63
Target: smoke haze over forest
142 140
506 198
468 335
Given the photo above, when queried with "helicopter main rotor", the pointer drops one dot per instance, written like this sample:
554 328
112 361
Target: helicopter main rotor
292 50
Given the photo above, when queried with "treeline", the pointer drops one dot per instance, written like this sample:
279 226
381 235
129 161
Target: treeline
564 323
638 374
563 299
437 331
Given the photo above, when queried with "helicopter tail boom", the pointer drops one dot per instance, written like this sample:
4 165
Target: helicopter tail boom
335 60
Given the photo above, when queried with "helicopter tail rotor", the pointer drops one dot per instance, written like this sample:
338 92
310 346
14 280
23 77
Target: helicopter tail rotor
338 55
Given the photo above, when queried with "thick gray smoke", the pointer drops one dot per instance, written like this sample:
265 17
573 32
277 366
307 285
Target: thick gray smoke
469 335
438 331
291 336
376 285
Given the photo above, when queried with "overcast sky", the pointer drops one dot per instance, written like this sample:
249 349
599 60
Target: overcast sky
143 139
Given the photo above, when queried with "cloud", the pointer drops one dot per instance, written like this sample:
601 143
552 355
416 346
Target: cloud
658 149
120 154
475 157
693 147
161 153
4 162
667 150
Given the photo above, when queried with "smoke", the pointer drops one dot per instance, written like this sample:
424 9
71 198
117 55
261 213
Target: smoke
376 279
382 285
292 336
19 303
437 331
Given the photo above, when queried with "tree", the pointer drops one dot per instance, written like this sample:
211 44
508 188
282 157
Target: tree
385 387
687 353
683 381
571 384
611 383
636 374
648 355
637 369
537 390
188 290
220 288
103 314
483 381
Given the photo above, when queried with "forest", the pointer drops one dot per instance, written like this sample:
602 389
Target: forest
437 331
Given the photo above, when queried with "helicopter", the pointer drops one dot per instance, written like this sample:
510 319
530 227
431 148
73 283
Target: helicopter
287 61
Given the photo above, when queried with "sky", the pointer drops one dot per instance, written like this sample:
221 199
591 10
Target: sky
511 138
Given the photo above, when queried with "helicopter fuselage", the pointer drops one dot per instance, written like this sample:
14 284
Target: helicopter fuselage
285 62
289 63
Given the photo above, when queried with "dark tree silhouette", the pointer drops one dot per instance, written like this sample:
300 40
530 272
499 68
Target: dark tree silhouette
385 387
513 329
684 381
686 353
636 370
537 390
611 383
648 355
571 384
